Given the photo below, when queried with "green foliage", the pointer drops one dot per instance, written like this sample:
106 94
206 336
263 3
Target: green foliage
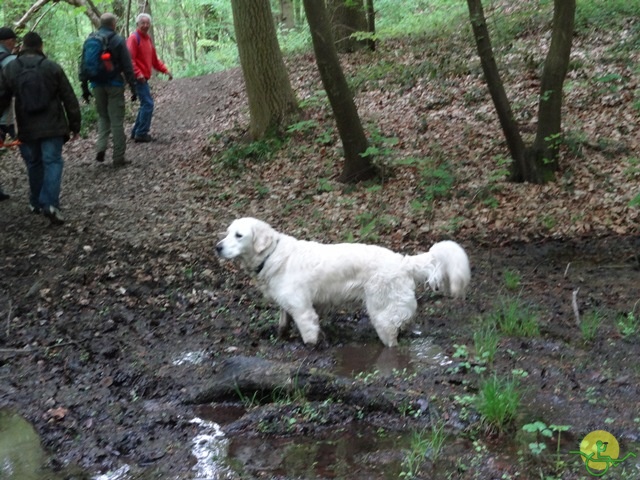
498 401
485 341
610 15
513 317
397 19
540 429
426 443
590 324
511 279
628 324
237 155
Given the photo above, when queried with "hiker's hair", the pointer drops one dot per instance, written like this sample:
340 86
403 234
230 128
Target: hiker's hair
32 40
141 16
108 20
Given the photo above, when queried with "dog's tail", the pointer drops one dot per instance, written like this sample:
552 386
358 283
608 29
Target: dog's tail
452 272
422 267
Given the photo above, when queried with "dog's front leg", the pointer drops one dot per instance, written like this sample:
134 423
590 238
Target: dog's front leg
308 324
284 323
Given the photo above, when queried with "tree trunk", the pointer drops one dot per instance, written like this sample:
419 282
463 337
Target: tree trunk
287 14
371 24
348 18
545 148
538 162
357 165
271 98
494 83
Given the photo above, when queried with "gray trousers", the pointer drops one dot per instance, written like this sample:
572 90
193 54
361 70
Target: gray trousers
110 107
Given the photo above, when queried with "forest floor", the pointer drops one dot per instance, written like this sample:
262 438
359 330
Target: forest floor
97 314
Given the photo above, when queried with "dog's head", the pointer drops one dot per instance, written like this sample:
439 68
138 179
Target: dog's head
247 238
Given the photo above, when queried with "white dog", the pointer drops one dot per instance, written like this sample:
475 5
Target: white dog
300 275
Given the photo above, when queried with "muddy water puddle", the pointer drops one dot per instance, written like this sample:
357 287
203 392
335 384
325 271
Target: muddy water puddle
21 456
355 360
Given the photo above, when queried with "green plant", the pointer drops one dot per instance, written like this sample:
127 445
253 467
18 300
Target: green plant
498 401
248 402
628 324
425 443
511 279
303 127
589 325
513 317
500 173
238 154
485 340
542 430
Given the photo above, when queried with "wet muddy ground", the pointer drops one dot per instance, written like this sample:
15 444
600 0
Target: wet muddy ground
103 375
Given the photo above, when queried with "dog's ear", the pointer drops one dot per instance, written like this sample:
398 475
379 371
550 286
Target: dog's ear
263 237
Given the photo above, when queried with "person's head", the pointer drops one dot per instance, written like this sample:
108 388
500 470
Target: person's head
108 20
143 22
8 38
32 41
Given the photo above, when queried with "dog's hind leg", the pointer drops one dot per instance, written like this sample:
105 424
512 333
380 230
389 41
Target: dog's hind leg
389 311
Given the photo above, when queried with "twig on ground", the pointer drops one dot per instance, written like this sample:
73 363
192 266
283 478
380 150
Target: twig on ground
35 349
566 270
9 318
574 303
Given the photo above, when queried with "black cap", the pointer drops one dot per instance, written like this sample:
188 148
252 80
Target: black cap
6 33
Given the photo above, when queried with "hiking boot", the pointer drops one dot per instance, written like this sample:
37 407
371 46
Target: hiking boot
4 196
100 156
54 215
35 210
143 139
121 164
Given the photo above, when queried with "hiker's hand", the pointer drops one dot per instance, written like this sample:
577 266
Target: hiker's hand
170 76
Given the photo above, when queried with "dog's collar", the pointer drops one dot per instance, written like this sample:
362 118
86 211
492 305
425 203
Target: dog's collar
261 266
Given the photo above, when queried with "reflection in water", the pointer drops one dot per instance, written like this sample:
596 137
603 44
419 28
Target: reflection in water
354 452
354 359
21 457
210 449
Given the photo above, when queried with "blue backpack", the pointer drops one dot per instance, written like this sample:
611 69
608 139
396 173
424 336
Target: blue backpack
97 64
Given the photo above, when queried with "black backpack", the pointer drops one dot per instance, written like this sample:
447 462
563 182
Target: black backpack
31 88
97 62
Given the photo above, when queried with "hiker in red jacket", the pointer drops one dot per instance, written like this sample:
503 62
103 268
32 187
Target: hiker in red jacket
144 58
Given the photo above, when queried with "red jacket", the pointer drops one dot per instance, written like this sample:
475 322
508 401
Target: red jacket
143 55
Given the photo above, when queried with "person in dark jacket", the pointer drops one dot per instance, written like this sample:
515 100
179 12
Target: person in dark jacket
45 131
109 94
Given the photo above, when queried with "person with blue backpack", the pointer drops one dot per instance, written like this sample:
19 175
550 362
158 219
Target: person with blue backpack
106 66
145 59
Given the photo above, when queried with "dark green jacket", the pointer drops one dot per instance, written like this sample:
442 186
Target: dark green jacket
63 113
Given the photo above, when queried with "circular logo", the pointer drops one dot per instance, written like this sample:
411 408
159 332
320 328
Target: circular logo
599 444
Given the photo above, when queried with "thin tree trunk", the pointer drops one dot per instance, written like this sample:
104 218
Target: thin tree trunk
496 88
545 149
357 165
